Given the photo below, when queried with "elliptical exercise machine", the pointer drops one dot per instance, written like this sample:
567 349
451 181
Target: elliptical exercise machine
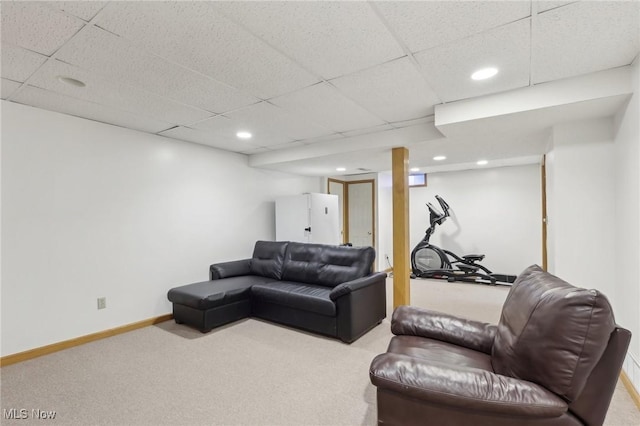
430 261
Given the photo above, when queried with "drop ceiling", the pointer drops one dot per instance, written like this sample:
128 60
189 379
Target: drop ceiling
319 84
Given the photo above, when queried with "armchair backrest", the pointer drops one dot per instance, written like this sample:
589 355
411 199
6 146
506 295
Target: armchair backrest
593 402
552 333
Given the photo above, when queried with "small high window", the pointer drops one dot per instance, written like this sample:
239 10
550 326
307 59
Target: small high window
419 179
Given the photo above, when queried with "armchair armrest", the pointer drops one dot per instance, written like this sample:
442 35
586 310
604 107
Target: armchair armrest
463 387
412 321
351 286
229 269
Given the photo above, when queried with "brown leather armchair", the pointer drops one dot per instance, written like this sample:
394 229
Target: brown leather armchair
553 359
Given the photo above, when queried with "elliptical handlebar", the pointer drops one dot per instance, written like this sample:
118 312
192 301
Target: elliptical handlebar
434 211
436 217
444 205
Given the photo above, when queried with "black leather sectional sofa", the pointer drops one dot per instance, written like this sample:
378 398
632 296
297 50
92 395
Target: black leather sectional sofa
330 290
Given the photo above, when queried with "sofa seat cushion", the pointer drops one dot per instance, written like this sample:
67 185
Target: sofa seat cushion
211 294
306 297
438 352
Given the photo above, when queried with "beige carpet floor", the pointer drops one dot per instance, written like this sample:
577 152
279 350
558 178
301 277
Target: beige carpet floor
248 373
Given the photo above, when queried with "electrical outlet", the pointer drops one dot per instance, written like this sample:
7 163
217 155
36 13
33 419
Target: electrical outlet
102 302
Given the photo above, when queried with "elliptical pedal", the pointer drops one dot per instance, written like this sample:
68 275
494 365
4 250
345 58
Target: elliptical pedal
469 269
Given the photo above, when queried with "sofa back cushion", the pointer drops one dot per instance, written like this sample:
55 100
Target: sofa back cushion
326 265
268 259
551 333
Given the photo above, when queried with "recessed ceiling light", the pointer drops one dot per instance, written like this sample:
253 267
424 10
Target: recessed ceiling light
439 157
415 169
484 73
244 135
71 81
482 162
341 169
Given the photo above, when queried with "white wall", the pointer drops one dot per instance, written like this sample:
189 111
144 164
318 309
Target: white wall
385 220
626 223
594 211
494 211
581 208
91 210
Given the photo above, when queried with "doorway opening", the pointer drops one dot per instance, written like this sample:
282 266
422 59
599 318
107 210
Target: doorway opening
356 200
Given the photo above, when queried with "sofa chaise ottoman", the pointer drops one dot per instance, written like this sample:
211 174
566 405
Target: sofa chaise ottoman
329 290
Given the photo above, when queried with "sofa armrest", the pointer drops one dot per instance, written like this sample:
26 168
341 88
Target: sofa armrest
229 269
351 286
413 321
463 387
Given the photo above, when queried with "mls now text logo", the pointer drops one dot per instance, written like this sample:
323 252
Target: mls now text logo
23 413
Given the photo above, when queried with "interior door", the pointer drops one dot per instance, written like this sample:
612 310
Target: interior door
360 213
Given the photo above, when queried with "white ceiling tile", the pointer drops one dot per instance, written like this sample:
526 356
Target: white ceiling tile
198 37
426 24
208 138
101 52
18 63
449 67
267 118
8 88
84 10
112 93
328 37
327 106
584 37
36 27
227 127
51 101
394 91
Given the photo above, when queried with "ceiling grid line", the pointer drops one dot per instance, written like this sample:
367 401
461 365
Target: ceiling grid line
321 79
266 43
176 64
534 19
403 46
53 56
267 101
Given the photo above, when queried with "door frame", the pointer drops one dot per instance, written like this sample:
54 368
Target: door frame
345 205
543 182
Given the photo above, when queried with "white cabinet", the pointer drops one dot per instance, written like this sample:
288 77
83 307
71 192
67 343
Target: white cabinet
308 218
